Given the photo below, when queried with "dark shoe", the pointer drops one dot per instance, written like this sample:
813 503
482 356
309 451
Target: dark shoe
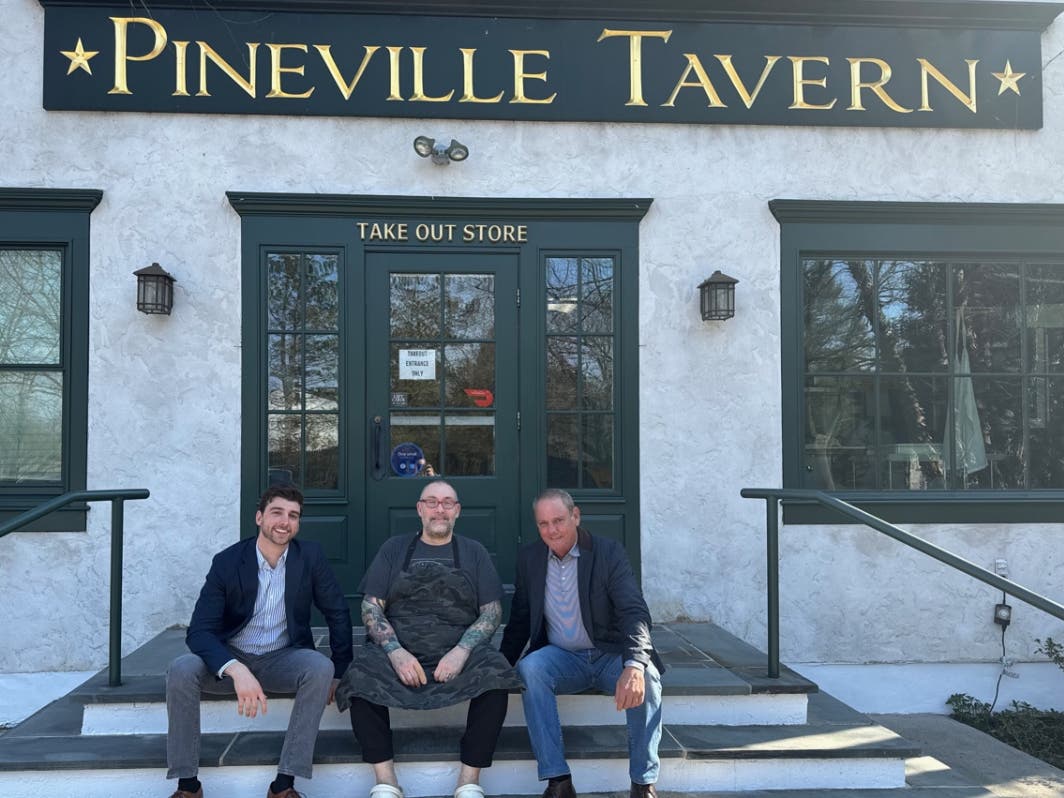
289 793
642 791
559 788
186 794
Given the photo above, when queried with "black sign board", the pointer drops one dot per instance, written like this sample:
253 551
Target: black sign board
198 60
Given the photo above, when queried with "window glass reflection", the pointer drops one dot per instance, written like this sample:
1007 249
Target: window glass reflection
987 302
912 329
30 303
1045 319
420 429
285 380
322 372
840 433
563 371
1046 409
31 426
596 295
470 449
415 306
322 451
321 291
838 331
563 294
283 308
469 306
470 375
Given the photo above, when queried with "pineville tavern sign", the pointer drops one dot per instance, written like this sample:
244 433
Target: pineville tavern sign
732 70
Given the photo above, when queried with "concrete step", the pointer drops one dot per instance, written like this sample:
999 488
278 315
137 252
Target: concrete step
102 741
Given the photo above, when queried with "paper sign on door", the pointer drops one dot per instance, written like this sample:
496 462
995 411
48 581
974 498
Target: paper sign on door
417 364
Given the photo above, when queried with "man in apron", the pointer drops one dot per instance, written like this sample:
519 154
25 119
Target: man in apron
431 603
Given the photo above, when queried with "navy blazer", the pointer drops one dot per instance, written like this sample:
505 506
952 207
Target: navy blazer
227 601
611 603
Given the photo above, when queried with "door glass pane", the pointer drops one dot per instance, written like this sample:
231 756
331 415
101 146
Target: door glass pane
30 303
31 426
323 453
284 437
322 371
415 375
563 353
598 451
469 305
563 297
563 447
423 430
285 380
321 291
470 445
470 375
414 310
596 367
596 295
283 305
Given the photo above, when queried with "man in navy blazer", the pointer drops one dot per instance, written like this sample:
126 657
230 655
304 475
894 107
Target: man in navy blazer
579 607
250 633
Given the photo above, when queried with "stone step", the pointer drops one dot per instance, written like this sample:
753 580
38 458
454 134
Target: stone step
694 759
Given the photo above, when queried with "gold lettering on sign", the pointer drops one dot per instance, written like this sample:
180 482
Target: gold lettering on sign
748 97
393 66
419 80
180 69
121 48
209 53
927 68
520 76
800 82
876 86
346 89
635 57
469 94
695 65
276 70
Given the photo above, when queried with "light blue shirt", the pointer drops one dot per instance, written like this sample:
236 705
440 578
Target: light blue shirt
267 630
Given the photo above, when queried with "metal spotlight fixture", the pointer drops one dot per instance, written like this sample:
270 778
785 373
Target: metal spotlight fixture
155 290
441 155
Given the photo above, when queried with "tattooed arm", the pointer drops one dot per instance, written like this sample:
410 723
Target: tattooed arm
481 631
405 664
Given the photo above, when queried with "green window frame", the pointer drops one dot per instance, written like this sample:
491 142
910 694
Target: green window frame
44 352
895 317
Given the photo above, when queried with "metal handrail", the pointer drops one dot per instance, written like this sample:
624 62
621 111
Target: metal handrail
773 496
117 499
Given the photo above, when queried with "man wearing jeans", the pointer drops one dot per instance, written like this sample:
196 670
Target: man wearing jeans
250 633
578 605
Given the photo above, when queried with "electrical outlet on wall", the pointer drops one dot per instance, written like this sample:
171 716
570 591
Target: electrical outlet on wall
1001 567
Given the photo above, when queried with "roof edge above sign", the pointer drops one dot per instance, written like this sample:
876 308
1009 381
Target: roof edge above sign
893 13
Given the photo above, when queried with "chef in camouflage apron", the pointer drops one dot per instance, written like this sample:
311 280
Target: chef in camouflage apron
431 603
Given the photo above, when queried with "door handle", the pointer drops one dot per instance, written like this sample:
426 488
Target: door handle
378 431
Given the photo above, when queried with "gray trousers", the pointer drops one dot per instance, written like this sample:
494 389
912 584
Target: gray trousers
302 671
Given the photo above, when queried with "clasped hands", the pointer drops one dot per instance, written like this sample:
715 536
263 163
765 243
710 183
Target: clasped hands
250 697
410 672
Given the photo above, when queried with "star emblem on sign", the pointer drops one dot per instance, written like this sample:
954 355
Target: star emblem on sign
1008 79
79 57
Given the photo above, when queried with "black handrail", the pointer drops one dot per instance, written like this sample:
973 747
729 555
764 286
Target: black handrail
773 496
117 499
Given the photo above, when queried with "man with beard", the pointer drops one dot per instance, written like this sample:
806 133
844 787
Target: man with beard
250 633
431 603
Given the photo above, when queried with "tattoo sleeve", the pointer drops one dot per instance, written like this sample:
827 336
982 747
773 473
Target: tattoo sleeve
483 627
377 626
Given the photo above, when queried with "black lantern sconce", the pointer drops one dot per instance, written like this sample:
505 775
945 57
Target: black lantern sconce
717 294
155 290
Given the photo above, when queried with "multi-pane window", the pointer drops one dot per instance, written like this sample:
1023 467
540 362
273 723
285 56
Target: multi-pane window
932 373
579 383
31 366
303 382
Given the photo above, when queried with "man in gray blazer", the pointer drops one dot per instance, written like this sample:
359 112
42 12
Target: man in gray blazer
579 607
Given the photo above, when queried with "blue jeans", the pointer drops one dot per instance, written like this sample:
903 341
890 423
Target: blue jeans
551 671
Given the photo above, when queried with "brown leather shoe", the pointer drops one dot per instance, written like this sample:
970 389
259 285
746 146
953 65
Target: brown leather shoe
559 788
642 791
289 793
186 794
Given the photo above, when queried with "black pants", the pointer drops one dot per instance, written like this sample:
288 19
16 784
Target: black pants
373 730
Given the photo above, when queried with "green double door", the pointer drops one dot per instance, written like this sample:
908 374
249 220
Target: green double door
442 383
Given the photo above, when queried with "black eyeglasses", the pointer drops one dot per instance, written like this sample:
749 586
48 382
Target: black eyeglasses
432 503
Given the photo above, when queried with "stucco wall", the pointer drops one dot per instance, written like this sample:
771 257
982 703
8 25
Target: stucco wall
164 392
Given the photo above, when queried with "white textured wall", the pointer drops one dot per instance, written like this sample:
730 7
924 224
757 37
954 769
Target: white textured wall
174 426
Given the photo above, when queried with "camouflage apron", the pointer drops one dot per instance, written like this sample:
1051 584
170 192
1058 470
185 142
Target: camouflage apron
430 609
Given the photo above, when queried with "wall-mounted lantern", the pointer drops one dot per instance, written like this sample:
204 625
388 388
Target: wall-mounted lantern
155 290
441 154
717 294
